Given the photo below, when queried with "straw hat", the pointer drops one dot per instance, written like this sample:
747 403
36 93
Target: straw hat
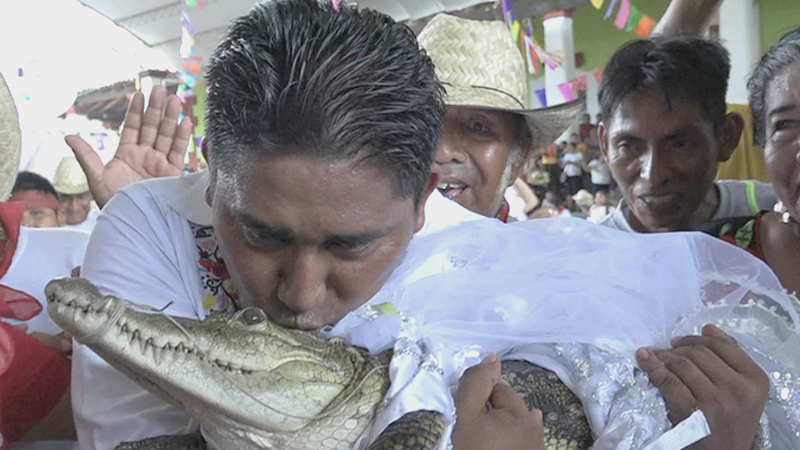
584 198
10 141
481 67
69 178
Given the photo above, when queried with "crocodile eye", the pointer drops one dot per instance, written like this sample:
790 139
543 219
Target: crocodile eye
252 316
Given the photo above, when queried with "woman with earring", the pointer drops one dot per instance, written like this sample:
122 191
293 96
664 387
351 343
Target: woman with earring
775 100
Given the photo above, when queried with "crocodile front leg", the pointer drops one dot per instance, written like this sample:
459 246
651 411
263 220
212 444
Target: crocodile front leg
418 430
179 442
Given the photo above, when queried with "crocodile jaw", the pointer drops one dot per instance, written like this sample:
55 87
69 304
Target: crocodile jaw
260 376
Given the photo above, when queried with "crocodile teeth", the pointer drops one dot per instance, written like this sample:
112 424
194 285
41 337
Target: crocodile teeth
158 355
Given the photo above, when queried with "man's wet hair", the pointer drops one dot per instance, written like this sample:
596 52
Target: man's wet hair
29 181
296 77
782 55
678 67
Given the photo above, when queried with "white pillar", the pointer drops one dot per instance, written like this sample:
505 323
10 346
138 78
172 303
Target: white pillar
740 32
558 39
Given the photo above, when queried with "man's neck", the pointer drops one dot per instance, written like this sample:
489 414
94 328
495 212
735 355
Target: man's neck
708 207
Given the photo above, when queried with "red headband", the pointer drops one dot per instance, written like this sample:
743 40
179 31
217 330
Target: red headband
36 199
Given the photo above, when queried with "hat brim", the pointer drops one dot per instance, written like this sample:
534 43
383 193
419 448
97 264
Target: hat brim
545 124
10 141
71 189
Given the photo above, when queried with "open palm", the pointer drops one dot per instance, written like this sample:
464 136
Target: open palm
150 146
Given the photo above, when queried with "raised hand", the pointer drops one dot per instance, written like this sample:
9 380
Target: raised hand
491 415
710 373
150 146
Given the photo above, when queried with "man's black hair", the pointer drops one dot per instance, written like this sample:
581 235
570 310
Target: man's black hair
782 55
295 77
682 67
29 181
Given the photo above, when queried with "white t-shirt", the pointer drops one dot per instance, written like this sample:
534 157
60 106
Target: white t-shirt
43 254
572 164
142 249
601 174
736 199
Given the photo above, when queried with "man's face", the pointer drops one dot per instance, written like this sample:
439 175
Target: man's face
474 159
76 207
586 119
307 240
664 159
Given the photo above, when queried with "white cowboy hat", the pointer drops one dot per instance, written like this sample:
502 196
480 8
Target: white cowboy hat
481 67
10 141
69 178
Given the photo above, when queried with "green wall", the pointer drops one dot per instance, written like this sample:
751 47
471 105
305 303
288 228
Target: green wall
777 18
598 38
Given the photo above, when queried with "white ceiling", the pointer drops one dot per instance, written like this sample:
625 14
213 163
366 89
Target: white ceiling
157 22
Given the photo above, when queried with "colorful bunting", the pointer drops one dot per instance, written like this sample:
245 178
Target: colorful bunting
623 14
630 18
610 10
645 27
598 75
566 91
541 94
508 12
335 5
597 3
578 84
633 19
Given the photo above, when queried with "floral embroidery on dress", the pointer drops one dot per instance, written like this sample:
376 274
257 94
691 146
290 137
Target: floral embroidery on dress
742 232
219 288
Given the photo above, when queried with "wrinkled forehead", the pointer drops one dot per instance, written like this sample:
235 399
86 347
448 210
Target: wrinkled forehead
314 194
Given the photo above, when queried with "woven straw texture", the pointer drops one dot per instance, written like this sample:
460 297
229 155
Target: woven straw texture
481 67
10 141
69 178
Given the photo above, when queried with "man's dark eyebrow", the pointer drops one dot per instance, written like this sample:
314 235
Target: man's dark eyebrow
357 238
782 109
260 227
680 132
623 135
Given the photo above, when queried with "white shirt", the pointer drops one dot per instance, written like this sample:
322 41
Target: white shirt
43 254
142 249
572 164
736 199
601 174
88 224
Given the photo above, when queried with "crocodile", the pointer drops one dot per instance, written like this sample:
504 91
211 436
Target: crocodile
255 385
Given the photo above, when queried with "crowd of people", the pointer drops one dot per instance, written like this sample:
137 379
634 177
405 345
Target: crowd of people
328 156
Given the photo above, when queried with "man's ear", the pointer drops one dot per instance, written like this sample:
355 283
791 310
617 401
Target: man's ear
525 148
433 181
601 133
732 129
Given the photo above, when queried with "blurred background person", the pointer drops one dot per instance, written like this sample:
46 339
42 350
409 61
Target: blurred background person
42 207
76 201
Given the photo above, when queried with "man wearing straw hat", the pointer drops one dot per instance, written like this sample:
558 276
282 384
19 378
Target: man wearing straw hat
34 368
73 194
490 130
